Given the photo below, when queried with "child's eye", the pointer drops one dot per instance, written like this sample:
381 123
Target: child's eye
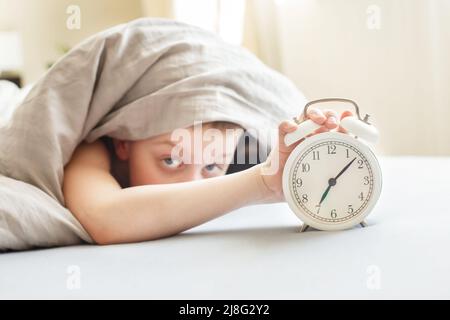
171 162
212 167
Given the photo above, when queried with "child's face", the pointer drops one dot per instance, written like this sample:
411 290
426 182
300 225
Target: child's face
150 161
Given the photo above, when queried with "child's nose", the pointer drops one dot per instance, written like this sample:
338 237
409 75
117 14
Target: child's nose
193 173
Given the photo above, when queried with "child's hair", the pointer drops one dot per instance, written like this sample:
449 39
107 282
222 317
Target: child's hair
247 145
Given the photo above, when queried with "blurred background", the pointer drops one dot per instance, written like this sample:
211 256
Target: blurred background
392 57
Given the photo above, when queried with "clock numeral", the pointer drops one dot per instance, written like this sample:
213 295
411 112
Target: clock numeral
366 180
350 209
334 214
332 149
360 164
318 208
361 196
306 167
348 153
316 155
304 198
299 182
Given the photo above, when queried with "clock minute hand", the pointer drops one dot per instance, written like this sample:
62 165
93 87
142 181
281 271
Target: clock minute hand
345 168
332 181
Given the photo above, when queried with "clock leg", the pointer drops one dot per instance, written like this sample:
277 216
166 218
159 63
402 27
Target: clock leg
364 224
304 227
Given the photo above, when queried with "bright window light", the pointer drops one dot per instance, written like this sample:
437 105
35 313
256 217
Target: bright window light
224 17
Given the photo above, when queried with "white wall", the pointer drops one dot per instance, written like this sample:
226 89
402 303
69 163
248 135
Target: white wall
400 73
42 24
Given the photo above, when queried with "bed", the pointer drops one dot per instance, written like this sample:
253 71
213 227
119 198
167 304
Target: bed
257 253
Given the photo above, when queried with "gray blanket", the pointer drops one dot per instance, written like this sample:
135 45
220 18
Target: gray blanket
133 81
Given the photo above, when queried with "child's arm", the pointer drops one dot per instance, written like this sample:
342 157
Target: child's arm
111 214
114 215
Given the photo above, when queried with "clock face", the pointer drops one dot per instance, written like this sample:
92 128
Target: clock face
331 181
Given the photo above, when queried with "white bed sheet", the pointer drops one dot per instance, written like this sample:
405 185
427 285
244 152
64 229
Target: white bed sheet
257 252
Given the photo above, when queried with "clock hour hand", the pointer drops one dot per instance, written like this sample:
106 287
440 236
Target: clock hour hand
324 195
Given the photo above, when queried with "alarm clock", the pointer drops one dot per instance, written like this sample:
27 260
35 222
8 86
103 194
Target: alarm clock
332 180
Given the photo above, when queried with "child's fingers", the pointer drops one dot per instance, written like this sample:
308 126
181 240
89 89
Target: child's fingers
286 126
316 115
320 130
329 119
332 121
344 114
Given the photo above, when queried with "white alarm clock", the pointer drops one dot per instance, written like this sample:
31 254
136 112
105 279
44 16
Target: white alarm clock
332 180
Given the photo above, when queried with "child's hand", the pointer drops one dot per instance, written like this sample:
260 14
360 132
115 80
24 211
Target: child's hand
272 172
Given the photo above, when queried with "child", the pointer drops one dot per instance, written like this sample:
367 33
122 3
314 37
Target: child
146 194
